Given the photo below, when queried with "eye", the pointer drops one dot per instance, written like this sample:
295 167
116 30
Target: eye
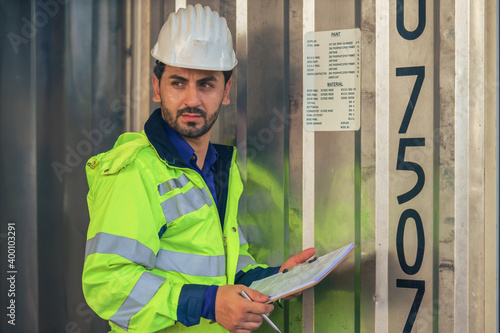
177 84
206 85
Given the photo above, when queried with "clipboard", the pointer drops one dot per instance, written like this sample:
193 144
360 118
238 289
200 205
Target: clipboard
302 276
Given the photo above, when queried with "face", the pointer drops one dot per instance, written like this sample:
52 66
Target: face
190 99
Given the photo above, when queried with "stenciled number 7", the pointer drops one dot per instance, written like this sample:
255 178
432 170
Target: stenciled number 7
410 142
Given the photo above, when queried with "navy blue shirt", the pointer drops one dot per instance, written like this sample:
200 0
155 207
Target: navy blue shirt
189 157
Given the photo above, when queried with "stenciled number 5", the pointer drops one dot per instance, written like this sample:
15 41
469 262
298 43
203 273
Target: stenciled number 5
412 166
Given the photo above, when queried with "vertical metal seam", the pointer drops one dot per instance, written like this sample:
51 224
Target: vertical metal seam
286 143
357 194
462 10
308 179
91 72
382 167
136 63
436 172
241 42
128 64
34 171
357 230
286 114
139 93
477 166
498 167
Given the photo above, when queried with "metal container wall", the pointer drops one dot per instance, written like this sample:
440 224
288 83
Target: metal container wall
62 99
431 65
419 201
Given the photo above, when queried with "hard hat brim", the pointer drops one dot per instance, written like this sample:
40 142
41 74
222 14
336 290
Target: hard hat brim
196 66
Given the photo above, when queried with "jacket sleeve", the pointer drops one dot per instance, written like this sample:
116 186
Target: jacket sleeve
119 280
247 269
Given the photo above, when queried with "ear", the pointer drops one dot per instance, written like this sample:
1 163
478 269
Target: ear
156 90
227 88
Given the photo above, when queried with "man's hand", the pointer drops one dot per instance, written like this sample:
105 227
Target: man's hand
298 259
235 313
295 260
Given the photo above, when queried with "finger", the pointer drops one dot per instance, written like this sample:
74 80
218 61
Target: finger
306 254
268 309
252 325
259 308
256 296
253 318
298 259
249 325
250 328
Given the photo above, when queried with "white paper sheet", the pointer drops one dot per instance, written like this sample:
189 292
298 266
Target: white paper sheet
301 276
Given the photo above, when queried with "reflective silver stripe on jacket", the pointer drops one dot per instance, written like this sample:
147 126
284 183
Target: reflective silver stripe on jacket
173 183
191 264
243 240
244 261
128 248
185 203
142 293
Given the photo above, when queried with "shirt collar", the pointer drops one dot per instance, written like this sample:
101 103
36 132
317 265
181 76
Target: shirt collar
186 152
211 157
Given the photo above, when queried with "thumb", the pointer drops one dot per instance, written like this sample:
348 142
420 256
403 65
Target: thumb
256 296
298 258
304 255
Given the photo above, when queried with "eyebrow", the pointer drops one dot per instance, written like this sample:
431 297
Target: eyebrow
210 78
202 80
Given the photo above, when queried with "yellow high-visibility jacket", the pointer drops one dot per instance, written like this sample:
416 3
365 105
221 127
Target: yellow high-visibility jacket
155 231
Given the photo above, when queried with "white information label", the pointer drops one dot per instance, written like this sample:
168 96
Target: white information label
332 80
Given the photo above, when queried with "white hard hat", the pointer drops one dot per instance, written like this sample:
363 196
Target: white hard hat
196 37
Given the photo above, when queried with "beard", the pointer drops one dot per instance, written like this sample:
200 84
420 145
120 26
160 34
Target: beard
191 129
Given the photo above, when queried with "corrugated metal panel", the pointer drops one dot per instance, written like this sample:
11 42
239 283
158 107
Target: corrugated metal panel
62 99
18 179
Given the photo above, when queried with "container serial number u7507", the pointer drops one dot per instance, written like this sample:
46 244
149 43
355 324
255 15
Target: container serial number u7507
411 161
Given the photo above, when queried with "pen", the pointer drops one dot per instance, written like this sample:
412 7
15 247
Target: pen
266 318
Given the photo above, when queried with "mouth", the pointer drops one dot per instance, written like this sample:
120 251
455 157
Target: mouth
191 117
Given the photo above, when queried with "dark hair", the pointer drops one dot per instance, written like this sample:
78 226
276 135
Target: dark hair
160 68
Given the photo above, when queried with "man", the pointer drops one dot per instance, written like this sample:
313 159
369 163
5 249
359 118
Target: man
164 251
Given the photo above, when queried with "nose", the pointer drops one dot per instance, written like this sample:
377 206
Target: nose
192 99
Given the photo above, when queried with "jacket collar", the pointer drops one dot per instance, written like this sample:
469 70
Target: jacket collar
157 135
